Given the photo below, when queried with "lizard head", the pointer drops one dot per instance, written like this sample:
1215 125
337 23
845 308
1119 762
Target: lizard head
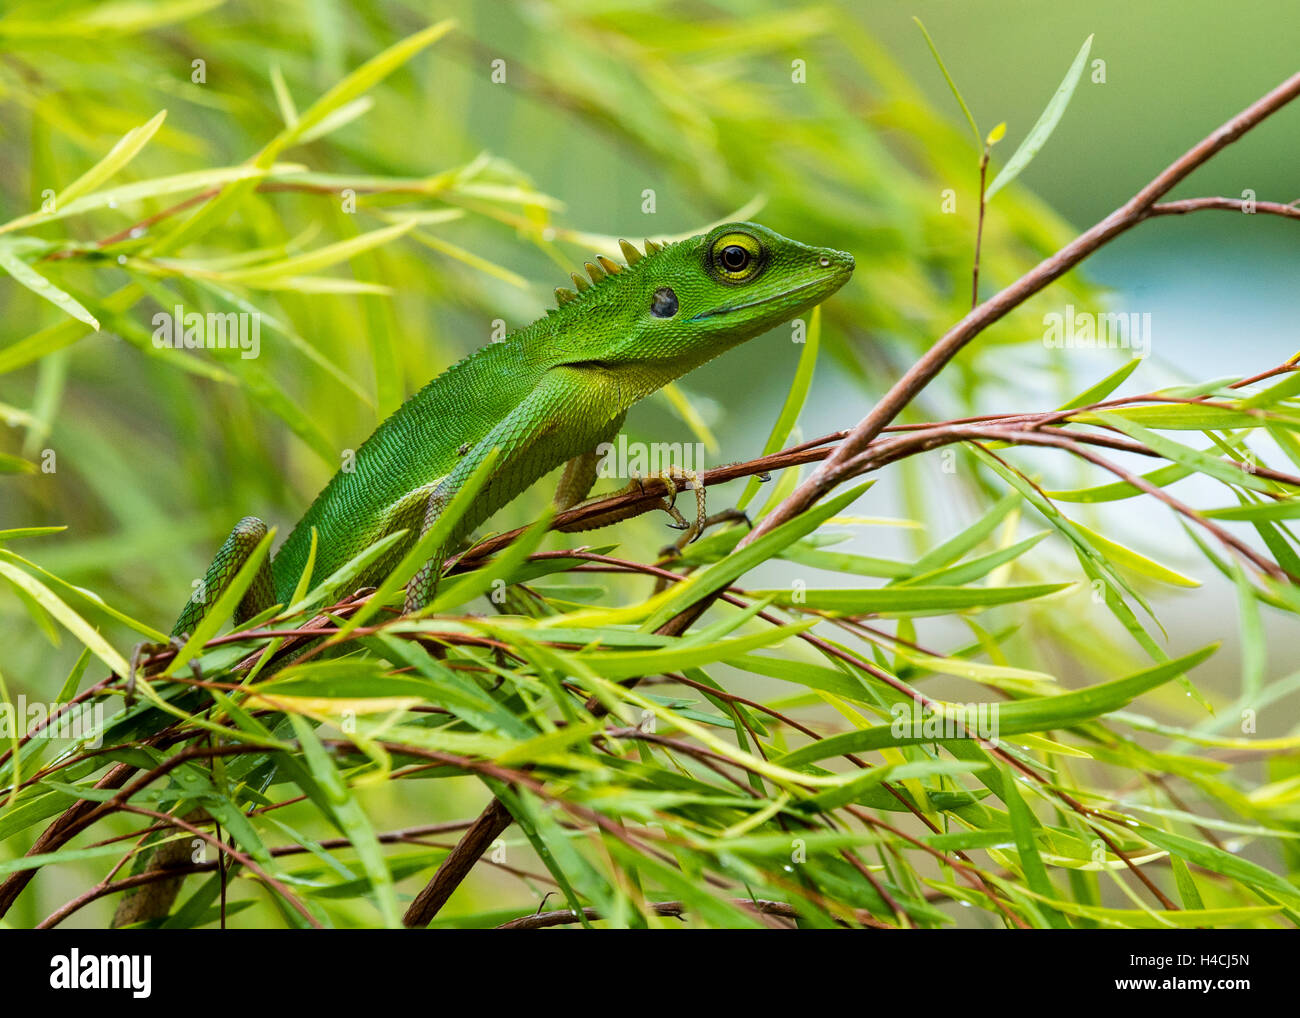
682 304
742 278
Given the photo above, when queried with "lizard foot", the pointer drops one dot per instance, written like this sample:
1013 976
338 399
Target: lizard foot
678 547
147 648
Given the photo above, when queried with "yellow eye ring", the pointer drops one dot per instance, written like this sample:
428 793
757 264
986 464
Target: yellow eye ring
736 258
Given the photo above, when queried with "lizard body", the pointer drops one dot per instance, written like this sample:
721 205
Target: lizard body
548 394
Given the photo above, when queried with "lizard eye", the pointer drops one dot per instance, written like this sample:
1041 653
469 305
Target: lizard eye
736 258
664 303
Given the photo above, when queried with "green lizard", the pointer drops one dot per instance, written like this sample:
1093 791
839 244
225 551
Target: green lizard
550 394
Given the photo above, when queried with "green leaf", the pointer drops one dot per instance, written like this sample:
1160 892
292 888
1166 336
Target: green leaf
933 600
1182 417
725 571
794 400
1282 509
145 189
1098 392
962 542
952 85
1252 875
1119 490
262 276
224 607
71 621
42 287
1036 714
976 568
356 825
1023 827
118 156
365 77
1042 130
1201 462
1135 561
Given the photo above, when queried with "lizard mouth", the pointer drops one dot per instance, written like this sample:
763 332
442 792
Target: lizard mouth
731 308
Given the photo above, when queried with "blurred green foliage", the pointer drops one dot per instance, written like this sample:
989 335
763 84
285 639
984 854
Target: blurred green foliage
385 229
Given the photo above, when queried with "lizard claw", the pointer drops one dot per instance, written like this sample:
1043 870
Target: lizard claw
143 648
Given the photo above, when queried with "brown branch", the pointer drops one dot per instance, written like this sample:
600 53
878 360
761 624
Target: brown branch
675 909
456 866
1186 205
834 469
230 850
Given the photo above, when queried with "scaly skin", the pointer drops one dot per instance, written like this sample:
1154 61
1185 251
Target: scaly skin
550 392
547 395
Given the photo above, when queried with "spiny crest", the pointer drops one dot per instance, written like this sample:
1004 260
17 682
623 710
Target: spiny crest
601 269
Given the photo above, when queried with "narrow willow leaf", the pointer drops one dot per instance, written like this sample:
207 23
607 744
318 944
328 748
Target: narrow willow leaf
628 664
365 77
42 287
283 97
1124 556
159 187
952 85
1287 388
1202 462
932 600
313 261
149 632
59 609
1186 885
959 544
1282 509
341 117
846 562
1182 417
465 588
1251 874
1119 490
1037 714
794 400
356 825
346 573
721 573
1046 124
976 568
118 156
679 398
1098 392
1023 827
349 88
63 334
224 607
474 261
1254 642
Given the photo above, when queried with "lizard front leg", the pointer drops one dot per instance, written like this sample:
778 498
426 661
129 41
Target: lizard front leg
671 477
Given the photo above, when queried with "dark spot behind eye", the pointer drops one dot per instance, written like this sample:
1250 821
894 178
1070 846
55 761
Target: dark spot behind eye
664 304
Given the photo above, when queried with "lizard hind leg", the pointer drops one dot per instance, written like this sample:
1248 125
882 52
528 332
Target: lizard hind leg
154 900
230 558
422 587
